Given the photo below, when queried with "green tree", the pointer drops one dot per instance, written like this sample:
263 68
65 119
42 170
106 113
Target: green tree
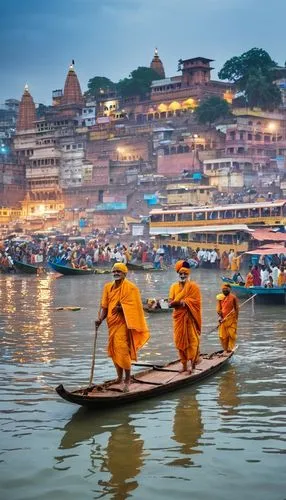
98 83
253 75
138 83
211 110
42 110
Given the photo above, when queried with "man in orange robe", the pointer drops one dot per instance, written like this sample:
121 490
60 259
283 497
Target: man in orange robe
185 298
128 331
227 309
249 278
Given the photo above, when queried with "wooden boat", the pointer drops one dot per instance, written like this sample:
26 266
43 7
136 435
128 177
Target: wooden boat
155 310
157 380
74 271
143 267
21 267
262 294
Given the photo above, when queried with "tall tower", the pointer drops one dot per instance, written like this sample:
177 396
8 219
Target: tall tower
72 91
157 65
27 112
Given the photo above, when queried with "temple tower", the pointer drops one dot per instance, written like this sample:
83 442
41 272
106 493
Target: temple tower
72 91
157 65
27 112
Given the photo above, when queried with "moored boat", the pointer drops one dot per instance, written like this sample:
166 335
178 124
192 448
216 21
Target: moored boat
143 267
75 271
22 267
262 294
155 381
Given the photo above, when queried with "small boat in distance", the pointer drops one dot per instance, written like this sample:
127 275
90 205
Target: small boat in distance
75 271
22 267
155 381
143 267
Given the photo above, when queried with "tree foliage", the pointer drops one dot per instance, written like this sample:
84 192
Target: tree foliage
98 83
138 83
253 75
211 110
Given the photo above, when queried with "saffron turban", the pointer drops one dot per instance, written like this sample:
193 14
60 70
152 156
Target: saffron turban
183 267
119 266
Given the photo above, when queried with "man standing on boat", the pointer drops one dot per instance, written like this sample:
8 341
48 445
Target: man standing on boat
227 309
185 298
128 331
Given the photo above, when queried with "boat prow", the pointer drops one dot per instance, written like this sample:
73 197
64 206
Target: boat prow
155 381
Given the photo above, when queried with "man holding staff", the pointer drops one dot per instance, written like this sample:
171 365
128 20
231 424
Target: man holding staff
121 305
227 309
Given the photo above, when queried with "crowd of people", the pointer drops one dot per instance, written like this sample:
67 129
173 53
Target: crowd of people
268 276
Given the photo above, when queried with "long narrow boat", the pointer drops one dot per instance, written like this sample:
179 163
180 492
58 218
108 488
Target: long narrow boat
276 294
21 267
74 271
143 267
155 381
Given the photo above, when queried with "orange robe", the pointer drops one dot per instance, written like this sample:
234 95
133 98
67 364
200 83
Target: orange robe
187 320
128 330
282 279
249 280
228 309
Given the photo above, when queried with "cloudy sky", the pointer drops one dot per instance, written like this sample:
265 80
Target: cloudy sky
39 38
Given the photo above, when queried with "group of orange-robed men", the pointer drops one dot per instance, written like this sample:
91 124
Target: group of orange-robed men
121 306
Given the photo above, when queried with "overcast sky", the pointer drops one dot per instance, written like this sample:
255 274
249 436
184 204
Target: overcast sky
39 38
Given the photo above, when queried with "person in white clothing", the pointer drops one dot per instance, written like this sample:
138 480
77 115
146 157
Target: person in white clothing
264 274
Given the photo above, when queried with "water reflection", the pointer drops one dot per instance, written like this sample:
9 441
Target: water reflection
27 325
187 429
119 462
228 396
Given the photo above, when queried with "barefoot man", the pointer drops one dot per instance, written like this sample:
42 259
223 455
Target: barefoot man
227 309
122 306
185 298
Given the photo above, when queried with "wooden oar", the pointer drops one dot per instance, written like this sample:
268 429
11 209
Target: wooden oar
93 357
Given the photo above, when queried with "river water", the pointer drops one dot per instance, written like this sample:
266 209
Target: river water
224 438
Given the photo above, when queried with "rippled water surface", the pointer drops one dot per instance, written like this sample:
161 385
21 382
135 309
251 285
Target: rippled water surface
222 439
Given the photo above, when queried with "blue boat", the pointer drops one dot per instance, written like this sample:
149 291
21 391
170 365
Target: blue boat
275 295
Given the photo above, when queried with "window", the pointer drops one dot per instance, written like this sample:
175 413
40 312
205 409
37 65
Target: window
265 212
212 215
242 213
199 216
169 217
211 238
275 211
254 212
185 217
155 217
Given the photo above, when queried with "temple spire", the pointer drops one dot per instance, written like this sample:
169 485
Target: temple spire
157 65
27 112
72 90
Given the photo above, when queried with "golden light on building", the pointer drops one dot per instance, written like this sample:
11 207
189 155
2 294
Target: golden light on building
189 103
228 96
162 108
174 106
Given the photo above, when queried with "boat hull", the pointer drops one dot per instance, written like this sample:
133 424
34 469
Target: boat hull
72 271
142 267
151 383
262 294
21 267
